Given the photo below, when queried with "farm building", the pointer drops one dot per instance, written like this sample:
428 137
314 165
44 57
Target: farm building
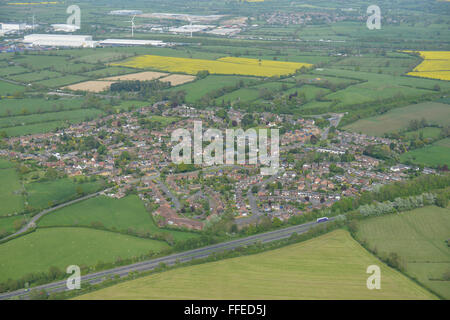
58 40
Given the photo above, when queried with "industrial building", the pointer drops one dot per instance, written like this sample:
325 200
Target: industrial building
60 40
65 27
13 27
132 42
125 12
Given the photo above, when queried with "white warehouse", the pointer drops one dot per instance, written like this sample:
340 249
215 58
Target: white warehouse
60 40
131 42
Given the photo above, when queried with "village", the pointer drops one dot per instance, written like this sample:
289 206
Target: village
131 151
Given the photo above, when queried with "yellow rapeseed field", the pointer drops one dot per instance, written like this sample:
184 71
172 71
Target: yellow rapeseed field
436 65
231 66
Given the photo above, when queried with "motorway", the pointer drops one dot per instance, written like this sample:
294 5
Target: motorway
98 277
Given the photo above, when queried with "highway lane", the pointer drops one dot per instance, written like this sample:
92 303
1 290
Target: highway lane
186 256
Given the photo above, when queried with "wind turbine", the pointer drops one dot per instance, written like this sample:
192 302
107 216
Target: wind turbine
132 26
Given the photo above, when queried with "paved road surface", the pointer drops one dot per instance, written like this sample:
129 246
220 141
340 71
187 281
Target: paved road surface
101 276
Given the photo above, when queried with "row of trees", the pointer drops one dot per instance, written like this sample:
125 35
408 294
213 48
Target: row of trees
399 205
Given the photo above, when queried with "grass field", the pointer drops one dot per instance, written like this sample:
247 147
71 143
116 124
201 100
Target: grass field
432 155
61 247
427 132
61 81
419 237
11 198
196 90
7 223
228 65
7 89
26 106
44 122
46 194
122 214
332 266
399 118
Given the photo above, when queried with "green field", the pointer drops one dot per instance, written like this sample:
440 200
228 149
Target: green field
119 215
7 89
332 266
11 198
35 76
196 90
432 155
418 236
61 247
42 195
14 107
7 224
62 81
45 122
427 133
399 118
34 128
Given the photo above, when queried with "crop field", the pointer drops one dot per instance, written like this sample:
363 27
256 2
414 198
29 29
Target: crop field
62 247
398 119
91 86
141 76
228 65
293 272
41 195
418 236
436 65
432 155
11 198
114 214
178 79
109 72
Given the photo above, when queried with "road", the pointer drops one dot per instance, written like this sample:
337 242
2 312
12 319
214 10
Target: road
169 193
186 256
252 199
32 222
